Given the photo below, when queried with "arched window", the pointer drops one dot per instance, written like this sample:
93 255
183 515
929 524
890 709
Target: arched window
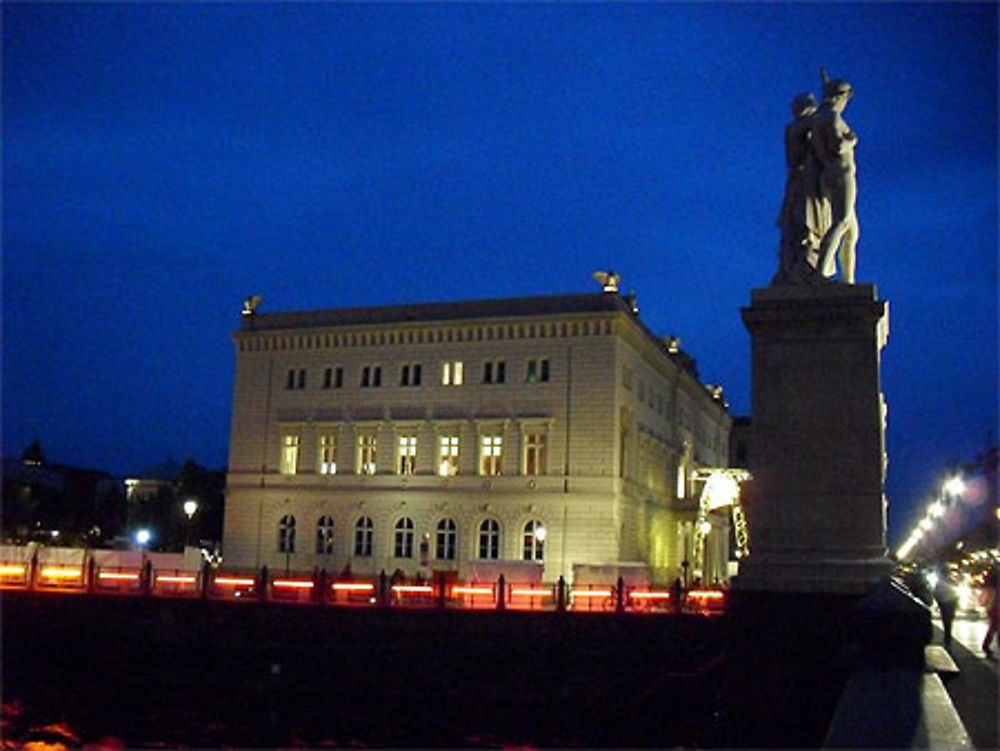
324 535
364 530
534 540
447 538
403 547
489 539
286 534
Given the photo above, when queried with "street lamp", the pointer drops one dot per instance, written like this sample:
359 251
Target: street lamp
190 506
142 537
955 486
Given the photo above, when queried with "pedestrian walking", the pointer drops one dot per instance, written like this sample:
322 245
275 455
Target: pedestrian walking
946 596
988 598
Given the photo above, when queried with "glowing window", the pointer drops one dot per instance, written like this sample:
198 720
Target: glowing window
447 540
448 455
489 539
324 535
403 547
289 454
286 534
327 454
407 454
367 454
534 541
364 531
490 454
452 373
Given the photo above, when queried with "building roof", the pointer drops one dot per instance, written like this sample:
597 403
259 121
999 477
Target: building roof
511 307
439 311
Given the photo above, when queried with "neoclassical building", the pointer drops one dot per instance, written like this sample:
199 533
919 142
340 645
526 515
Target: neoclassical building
468 436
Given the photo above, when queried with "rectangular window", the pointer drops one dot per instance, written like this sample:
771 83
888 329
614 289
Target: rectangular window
371 376
333 378
534 454
494 371
490 455
295 379
452 373
410 374
407 454
327 454
537 371
289 454
448 455
367 454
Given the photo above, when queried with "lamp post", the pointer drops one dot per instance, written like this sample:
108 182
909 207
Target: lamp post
190 507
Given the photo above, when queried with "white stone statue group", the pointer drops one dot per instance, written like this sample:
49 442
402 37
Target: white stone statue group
817 220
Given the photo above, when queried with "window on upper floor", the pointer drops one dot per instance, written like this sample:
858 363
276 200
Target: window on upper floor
371 376
448 455
490 454
367 454
333 378
407 454
535 453
452 373
326 454
295 378
410 374
537 370
324 535
289 460
494 371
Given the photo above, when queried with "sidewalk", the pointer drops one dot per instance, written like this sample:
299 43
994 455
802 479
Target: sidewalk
973 691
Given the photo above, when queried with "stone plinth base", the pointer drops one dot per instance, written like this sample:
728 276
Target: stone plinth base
808 573
815 509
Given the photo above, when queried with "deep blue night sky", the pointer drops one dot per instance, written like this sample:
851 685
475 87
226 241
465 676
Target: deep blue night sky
162 162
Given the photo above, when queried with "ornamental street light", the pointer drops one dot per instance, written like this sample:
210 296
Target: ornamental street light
190 507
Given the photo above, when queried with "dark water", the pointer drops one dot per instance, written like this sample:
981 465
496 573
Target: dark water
126 673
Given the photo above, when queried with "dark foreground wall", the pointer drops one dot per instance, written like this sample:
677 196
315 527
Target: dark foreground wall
213 674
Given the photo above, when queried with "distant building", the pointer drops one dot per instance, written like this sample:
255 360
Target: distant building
152 481
56 503
457 436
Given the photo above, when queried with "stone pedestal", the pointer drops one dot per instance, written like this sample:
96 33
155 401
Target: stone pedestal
816 508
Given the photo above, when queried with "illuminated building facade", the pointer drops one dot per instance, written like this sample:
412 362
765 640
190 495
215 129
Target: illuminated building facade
453 437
